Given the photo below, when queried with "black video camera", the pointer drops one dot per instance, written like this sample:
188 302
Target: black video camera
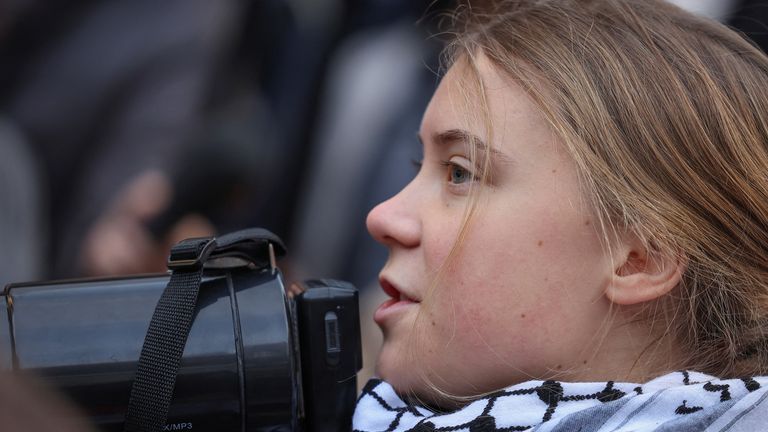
256 357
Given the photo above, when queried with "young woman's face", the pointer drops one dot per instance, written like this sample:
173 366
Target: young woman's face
523 296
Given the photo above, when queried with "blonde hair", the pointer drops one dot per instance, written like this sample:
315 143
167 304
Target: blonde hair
666 117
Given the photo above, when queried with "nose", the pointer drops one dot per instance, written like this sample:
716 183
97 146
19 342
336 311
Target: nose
396 221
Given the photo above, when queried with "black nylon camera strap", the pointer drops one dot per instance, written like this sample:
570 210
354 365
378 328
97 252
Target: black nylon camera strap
163 347
167 335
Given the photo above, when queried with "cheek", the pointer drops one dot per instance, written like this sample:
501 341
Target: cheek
534 252
512 290
438 240
486 308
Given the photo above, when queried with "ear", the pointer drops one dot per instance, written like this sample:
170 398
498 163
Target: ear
641 274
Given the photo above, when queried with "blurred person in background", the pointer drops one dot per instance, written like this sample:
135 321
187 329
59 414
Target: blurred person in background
105 96
204 117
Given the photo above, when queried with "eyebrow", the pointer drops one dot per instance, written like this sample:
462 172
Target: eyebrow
451 136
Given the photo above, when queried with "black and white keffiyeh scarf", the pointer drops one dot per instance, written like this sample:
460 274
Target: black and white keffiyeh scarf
679 401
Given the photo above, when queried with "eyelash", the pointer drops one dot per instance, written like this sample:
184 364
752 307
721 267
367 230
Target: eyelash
417 164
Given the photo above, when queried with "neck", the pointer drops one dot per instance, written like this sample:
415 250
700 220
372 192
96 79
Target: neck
630 349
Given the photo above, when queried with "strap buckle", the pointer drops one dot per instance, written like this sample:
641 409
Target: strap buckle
191 254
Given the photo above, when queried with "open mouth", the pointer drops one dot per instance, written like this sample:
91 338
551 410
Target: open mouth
398 301
393 292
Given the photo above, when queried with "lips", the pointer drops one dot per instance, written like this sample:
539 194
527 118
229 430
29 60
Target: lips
395 293
398 302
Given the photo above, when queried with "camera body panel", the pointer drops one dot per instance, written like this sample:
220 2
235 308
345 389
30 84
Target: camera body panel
331 354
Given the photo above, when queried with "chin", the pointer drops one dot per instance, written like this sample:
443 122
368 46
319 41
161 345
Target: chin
390 368
404 375
397 368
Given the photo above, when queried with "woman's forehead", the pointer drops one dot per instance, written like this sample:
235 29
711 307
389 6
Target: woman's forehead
475 97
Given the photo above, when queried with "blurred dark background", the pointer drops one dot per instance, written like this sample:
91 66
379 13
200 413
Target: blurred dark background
125 126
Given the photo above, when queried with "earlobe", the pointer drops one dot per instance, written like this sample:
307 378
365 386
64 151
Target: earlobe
642 275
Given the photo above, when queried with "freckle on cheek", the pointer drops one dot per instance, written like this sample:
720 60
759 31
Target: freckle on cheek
541 242
522 315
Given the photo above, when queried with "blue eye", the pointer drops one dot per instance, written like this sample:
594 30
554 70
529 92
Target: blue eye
457 174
